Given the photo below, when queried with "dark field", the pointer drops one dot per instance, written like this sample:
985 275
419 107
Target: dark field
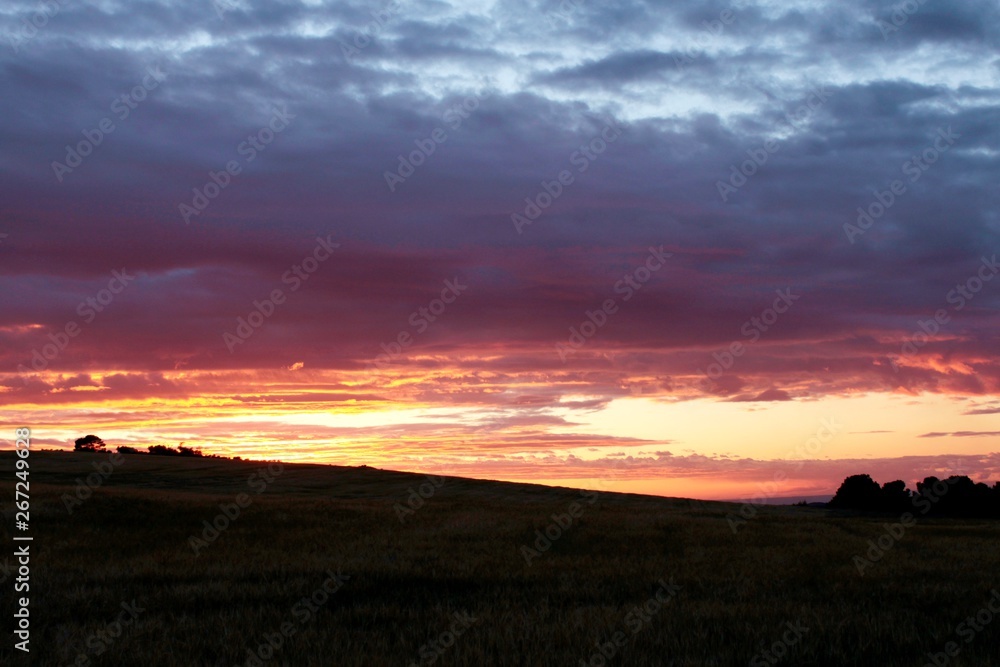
654 581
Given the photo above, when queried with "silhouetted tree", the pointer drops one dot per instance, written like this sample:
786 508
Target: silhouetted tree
956 496
88 443
984 500
858 492
895 496
965 498
927 485
930 491
125 449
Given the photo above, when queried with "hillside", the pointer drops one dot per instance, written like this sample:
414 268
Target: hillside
326 565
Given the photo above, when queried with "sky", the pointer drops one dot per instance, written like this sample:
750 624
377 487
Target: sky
718 250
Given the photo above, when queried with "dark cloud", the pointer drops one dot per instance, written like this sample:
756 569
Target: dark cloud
548 83
616 70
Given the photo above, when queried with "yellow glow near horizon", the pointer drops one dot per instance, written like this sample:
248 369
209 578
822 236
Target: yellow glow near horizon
494 430
771 430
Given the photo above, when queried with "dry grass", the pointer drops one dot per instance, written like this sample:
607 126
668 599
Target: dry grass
461 553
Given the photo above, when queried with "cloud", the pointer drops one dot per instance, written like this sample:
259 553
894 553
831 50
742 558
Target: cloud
961 434
766 395
544 86
988 410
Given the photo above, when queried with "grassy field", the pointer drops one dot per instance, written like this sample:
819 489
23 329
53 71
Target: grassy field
319 563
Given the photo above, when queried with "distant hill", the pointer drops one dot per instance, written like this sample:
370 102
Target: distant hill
787 500
221 475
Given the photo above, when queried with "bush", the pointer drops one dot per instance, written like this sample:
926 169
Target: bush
163 450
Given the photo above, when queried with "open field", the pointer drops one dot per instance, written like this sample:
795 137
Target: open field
723 597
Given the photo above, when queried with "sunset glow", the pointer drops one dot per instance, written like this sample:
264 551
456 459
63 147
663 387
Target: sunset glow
674 260
532 427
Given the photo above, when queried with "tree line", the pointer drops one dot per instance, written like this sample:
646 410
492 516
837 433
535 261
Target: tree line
91 443
955 496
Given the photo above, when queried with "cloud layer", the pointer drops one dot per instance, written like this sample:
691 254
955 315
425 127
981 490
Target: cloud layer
427 142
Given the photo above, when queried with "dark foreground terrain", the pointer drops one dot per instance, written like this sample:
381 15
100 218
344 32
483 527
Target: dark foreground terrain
318 569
